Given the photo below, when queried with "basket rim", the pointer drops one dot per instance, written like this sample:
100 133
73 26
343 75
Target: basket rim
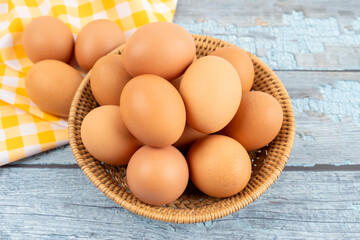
184 215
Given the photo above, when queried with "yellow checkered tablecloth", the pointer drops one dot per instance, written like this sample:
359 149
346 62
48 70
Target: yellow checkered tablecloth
25 129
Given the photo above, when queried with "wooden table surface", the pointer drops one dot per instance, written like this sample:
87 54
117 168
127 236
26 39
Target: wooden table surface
314 47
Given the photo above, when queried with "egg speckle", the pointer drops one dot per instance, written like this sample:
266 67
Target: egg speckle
257 121
219 166
157 176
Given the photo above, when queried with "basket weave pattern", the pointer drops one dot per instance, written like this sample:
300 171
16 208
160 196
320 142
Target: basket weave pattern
193 206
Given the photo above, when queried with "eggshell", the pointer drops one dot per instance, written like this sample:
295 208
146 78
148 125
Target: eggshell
51 85
157 176
108 78
95 40
241 61
219 166
176 81
106 137
188 137
211 91
161 48
257 121
152 110
47 38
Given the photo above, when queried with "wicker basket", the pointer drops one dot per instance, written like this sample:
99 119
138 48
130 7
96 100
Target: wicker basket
193 206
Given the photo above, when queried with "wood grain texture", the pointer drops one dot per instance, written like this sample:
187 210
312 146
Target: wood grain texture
245 13
58 156
302 35
43 203
327 116
315 45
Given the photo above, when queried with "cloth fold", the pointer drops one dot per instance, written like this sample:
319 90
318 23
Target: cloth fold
25 130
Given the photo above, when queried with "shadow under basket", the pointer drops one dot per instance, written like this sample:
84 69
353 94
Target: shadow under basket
192 206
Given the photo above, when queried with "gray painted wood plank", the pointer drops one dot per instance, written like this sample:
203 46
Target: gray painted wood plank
285 34
43 201
327 112
247 13
327 116
59 156
47 203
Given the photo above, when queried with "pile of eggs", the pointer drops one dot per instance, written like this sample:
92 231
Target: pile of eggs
171 117
167 115
52 81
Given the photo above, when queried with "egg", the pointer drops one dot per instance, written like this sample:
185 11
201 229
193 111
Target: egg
176 81
240 59
105 136
161 48
211 91
95 40
51 85
219 166
257 121
188 137
157 176
152 110
108 78
47 38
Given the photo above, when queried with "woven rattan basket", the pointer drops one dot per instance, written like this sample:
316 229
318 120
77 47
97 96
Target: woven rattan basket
192 206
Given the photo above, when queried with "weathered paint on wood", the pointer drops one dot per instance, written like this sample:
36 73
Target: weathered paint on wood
42 203
282 33
48 197
327 115
266 12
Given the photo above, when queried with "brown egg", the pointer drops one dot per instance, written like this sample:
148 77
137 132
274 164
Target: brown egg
153 110
257 122
188 137
48 38
160 48
108 78
106 137
95 40
241 61
211 91
219 166
157 176
51 85
176 81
